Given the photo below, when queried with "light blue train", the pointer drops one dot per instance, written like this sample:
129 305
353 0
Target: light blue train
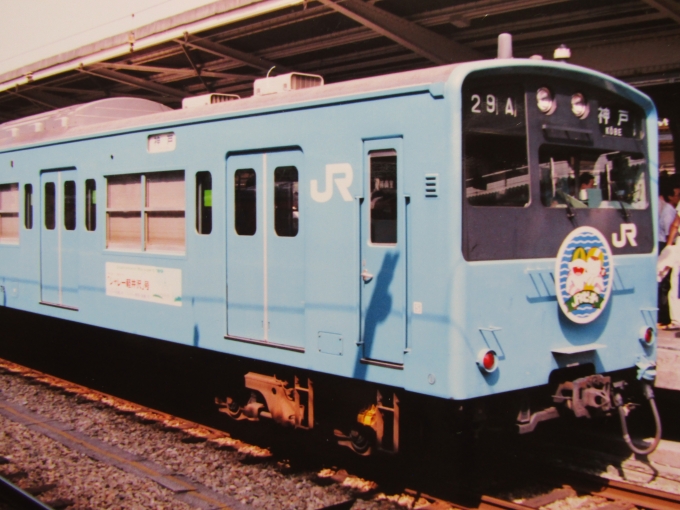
471 236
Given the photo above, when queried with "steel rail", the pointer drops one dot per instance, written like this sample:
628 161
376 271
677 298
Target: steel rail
644 497
619 494
17 498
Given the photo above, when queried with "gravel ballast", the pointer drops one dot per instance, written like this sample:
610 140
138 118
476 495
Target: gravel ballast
91 484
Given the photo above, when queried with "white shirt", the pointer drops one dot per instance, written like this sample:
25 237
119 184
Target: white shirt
666 216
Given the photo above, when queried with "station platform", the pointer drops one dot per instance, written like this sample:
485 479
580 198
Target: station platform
668 360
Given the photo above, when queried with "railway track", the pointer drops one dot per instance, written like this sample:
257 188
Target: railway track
182 488
582 491
609 494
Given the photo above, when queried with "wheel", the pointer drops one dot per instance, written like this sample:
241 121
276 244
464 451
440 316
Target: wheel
362 441
232 409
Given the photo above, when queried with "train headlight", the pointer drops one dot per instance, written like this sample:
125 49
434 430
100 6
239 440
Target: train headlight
487 360
545 100
647 336
579 106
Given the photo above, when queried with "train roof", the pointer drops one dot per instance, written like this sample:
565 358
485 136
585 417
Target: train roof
122 114
119 115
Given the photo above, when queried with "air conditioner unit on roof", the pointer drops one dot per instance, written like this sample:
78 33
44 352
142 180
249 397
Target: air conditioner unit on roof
207 99
286 82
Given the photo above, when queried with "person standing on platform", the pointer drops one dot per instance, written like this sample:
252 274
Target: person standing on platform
670 258
668 198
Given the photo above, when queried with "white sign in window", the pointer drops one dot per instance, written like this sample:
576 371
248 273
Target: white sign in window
161 142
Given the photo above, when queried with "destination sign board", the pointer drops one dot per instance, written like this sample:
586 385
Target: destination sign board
617 121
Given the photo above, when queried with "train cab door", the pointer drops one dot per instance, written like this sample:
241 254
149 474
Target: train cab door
59 239
265 249
383 254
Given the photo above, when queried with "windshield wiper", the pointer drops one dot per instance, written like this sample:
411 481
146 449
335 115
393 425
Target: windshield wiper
571 214
619 195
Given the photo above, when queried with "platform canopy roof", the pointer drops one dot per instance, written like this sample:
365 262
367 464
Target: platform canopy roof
224 46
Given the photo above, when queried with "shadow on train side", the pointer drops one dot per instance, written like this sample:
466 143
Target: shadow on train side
377 311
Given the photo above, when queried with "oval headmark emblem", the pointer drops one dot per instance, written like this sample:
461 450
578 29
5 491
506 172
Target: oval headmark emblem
584 270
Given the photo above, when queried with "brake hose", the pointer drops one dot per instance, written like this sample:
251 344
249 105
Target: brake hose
649 395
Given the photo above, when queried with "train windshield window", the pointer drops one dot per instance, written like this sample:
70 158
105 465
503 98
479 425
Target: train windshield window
495 145
496 170
9 213
245 201
165 205
203 202
590 178
70 205
384 198
124 212
50 206
286 211
90 205
28 206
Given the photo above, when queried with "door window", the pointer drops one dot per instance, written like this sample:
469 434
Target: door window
91 205
50 206
286 211
70 205
245 202
384 198
28 206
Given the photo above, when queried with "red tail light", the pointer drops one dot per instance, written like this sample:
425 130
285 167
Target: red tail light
487 360
647 336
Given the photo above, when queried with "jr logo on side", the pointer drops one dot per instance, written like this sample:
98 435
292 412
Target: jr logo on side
339 173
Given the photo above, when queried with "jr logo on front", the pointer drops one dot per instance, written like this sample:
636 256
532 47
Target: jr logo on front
628 235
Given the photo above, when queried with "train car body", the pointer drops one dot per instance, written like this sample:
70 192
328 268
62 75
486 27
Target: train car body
405 230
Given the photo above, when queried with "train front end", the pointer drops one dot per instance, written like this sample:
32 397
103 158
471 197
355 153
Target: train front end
557 278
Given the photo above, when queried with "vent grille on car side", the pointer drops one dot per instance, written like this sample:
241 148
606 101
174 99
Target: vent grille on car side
431 185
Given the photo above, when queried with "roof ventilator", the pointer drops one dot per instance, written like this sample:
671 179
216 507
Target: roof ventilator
207 99
286 82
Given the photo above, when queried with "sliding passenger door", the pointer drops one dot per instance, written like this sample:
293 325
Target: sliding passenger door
383 254
265 249
59 239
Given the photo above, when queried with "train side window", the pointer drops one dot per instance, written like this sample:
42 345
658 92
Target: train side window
165 210
9 213
384 198
91 205
286 210
28 206
203 203
245 202
70 205
50 206
124 211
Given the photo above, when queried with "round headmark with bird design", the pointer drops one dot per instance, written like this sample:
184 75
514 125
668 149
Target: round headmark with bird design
584 272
